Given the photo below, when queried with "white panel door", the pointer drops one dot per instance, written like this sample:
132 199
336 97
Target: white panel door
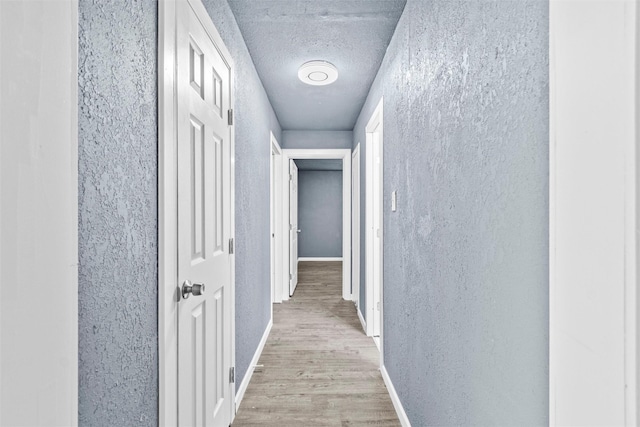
293 225
205 394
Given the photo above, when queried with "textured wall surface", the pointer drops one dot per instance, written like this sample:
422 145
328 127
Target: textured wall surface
118 207
320 213
117 185
465 87
254 118
316 139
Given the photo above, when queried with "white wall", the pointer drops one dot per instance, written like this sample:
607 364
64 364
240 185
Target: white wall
593 217
38 213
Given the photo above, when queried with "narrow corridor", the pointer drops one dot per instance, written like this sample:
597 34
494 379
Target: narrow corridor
318 367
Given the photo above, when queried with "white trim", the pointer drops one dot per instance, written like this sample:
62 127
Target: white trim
402 415
275 201
167 217
355 225
252 365
319 258
632 225
375 124
167 203
368 219
362 321
345 155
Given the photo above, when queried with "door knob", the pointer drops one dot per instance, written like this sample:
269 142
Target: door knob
298 231
195 289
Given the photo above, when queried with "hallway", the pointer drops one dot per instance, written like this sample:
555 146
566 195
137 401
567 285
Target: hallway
318 366
505 168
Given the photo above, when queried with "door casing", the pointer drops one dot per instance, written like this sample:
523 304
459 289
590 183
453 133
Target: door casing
374 244
293 227
374 228
168 206
275 201
345 156
355 226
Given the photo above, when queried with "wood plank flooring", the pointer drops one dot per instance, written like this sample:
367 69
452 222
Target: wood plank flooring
319 368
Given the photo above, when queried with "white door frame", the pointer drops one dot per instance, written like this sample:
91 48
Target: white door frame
275 201
372 271
345 156
293 227
355 225
168 205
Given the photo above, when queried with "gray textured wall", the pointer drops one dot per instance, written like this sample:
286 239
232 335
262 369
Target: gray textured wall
254 118
320 213
465 87
316 139
117 185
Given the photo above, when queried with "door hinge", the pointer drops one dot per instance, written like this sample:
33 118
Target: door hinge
231 246
378 306
290 177
290 276
230 117
232 375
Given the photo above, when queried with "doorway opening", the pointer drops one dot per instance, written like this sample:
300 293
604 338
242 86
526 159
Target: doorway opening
289 213
374 225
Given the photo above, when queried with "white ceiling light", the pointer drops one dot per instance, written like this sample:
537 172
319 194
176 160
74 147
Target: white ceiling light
318 73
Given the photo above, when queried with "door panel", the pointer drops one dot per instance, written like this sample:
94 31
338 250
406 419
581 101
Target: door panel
205 395
293 219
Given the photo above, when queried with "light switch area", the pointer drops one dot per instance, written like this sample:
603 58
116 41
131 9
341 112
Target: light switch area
394 202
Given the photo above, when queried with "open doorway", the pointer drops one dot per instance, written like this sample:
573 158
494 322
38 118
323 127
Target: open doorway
289 253
373 225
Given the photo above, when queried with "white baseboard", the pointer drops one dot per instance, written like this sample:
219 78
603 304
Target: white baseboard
252 366
319 259
362 322
404 420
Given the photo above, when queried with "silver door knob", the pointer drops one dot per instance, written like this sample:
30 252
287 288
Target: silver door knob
195 289
298 231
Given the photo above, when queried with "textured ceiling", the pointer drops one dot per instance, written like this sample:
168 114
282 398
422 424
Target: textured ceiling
319 164
283 34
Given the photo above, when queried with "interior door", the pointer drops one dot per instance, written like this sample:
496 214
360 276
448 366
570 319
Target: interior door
293 226
205 394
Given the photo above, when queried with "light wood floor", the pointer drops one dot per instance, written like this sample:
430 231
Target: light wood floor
320 369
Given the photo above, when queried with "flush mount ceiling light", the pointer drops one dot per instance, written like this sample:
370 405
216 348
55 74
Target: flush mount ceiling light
318 73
